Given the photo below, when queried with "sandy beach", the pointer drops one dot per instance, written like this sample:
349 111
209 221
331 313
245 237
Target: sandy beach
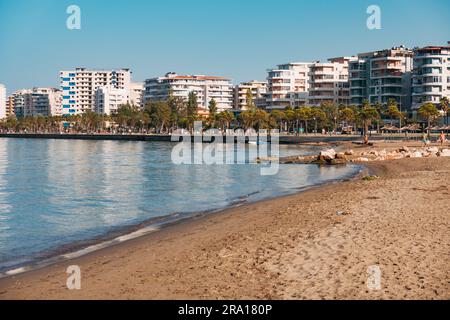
316 244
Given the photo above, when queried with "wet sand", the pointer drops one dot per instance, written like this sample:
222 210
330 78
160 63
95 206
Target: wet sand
292 247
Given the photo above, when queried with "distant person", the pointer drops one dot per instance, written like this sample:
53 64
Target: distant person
442 138
424 139
366 139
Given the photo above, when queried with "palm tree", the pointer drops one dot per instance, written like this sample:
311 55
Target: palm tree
212 112
304 114
278 116
368 114
429 112
444 102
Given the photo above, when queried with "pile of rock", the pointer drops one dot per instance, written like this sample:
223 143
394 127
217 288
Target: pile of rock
330 156
401 153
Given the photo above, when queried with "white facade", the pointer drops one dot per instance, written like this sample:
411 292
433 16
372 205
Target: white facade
431 75
328 82
288 85
2 101
80 85
137 94
258 90
206 87
41 101
109 99
379 76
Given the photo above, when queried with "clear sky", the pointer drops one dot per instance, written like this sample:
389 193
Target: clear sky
235 38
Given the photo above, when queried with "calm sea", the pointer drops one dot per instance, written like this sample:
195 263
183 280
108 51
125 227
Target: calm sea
55 193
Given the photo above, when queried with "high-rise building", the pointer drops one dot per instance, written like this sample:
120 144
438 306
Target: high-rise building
19 102
109 99
2 101
288 85
328 82
137 94
80 85
39 101
9 106
206 88
431 75
258 90
379 76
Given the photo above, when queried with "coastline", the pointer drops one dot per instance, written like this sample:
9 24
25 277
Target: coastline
292 247
126 233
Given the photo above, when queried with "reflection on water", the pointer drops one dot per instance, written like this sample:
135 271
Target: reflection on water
56 192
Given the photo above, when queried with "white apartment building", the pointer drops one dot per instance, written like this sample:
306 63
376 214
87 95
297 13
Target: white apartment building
379 76
108 99
258 90
40 101
206 88
80 85
288 85
328 82
2 101
431 75
137 94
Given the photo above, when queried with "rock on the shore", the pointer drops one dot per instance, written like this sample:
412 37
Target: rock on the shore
327 155
349 152
361 159
416 154
444 153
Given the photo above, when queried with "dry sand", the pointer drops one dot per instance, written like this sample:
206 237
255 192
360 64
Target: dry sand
293 247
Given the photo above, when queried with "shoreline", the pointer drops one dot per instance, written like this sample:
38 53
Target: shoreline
283 139
291 247
122 234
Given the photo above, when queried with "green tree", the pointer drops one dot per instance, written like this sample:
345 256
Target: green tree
191 109
444 103
249 100
366 115
212 112
429 112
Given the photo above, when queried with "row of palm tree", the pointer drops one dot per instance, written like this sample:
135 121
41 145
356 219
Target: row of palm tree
166 116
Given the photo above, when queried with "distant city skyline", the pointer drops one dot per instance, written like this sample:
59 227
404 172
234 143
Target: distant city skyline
228 38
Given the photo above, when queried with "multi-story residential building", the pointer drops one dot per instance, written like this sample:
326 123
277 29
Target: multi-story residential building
206 88
431 75
2 101
288 85
109 99
258 90
137 94
19 102
40 101
328 82
79 87
10 106
379 76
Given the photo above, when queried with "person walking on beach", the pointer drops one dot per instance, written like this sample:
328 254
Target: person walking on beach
424 139
442 138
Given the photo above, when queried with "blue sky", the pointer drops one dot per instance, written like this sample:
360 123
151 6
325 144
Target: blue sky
235 38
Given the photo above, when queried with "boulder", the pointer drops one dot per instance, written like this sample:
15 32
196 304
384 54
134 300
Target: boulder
444 153
341 155
337 161
403 149
416 154
327 154
349 152
433 150
361 159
